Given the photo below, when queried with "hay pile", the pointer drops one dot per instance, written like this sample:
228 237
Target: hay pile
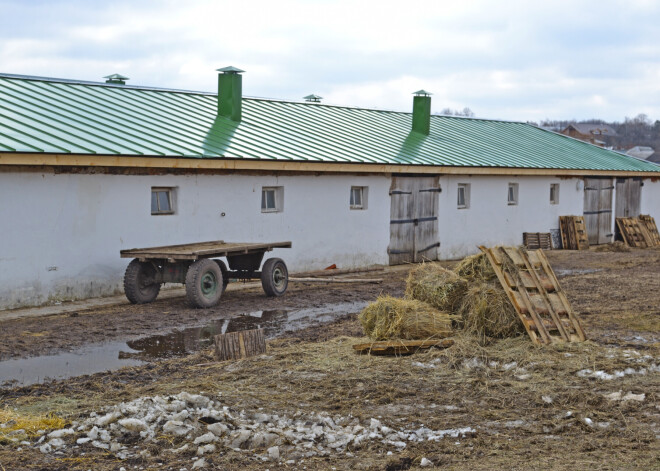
393 318
468 297
437 286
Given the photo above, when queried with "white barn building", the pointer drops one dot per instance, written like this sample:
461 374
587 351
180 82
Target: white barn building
88 169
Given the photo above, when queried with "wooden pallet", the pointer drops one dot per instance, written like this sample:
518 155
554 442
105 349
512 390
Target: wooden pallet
537 240
634 232
652 229
573 233
400 347
533 289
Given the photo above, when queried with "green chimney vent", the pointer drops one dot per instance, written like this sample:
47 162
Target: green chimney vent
116 79
230 92
313 98
421 120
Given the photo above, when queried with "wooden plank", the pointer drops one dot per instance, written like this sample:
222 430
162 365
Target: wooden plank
401 347
242 344
337 280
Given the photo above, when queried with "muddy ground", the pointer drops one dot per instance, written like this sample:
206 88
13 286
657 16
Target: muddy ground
526 407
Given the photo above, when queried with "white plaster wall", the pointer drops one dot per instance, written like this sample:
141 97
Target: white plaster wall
651 199
61 234
491 221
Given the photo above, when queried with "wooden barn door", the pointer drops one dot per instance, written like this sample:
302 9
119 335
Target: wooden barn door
414 219
598 209
628 197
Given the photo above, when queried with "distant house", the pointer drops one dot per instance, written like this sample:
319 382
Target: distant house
641 152
88 169
590 132
655 158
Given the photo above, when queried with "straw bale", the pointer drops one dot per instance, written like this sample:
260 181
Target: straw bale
475 268
409 319
616 246
433 284
487 312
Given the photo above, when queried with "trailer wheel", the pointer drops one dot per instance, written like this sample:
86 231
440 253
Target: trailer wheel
225 276
204 283
274 277
139 282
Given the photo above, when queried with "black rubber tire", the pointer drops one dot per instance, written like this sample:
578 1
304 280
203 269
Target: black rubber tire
274 277
137 287
204 283
225 277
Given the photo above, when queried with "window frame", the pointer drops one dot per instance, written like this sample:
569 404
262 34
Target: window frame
171 196
554 193
278 199
466 196
363 191
512 186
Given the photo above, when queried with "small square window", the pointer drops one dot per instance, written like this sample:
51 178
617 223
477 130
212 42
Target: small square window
512 196
162 201
358 197
463 196
271 199
554 193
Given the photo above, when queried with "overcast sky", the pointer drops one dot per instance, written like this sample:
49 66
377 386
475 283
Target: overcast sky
510 59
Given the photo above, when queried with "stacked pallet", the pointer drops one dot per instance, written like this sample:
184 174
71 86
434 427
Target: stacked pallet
537 240
639 232
573 233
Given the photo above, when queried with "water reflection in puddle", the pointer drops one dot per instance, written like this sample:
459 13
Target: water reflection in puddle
111 356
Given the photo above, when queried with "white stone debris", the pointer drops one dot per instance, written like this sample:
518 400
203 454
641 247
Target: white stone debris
425 463
602 375
201 425
619 396
546 399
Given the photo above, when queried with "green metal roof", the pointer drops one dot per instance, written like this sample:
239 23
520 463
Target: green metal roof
39 115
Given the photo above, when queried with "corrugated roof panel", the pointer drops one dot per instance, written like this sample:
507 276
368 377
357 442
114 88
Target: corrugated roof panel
48 115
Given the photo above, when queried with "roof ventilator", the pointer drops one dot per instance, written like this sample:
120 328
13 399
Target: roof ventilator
116 79
230 93
313 98
421 119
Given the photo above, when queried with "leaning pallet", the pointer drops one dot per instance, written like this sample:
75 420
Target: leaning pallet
537 240
573 233
634 232
648 222
533 289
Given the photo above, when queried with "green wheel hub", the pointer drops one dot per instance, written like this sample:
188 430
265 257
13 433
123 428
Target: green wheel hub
209 284
279 278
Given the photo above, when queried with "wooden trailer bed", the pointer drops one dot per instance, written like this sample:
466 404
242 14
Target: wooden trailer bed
197 266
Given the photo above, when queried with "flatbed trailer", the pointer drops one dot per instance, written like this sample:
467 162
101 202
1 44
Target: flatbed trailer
197 266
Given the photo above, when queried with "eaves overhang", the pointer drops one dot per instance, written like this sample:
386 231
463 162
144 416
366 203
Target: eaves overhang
9 159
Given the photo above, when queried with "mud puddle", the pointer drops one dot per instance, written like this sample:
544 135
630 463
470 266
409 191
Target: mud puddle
114 355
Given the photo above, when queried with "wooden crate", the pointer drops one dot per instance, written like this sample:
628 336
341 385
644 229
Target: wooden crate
533 289
242 344
537 240
573 233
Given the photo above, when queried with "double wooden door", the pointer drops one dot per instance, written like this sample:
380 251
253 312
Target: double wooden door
598 209
413 219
